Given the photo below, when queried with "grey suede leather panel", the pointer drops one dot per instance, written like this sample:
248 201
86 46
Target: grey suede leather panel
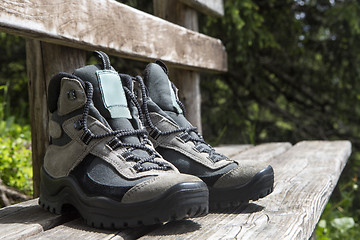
156 186
60 160
123 167
72 96
103 151
172 141
240 175
55 130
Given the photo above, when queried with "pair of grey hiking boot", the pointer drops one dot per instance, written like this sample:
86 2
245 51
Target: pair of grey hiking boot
123 154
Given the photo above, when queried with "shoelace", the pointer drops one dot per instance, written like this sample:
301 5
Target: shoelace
87 136
185 136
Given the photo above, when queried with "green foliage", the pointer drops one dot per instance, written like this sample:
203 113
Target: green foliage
15 154
15 163
340 220
15 134
294 74
13 80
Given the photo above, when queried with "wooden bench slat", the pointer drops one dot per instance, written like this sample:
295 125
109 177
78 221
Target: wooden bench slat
232 150
13 209
263 152
26 219
114 28
208 226
209 7
78 229
305 176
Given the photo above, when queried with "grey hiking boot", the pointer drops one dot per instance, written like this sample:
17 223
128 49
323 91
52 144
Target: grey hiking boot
100 160
229 182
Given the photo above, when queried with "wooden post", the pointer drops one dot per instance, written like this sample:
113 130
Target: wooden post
187 81
43 60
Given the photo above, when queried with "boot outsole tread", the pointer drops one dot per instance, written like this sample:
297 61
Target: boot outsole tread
179 202
192 212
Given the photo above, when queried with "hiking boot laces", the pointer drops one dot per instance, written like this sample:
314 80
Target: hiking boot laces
200 144
87 136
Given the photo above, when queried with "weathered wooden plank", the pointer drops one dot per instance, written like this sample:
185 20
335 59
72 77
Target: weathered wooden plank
209 7
16 207
79 230
114 28
37 87
232 150
305 177
26 219
262 152
43 60
206 227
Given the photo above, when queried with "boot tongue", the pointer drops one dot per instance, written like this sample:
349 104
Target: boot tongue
109 97
161 90
164 94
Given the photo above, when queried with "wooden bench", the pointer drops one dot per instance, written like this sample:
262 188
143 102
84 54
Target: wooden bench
57 36
305 176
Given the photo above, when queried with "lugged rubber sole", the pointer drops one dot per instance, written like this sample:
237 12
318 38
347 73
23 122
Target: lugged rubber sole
261 185
184 200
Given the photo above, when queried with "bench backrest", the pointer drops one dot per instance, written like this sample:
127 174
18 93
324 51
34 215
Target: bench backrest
114 28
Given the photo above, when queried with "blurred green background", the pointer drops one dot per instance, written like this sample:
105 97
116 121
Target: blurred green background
294 74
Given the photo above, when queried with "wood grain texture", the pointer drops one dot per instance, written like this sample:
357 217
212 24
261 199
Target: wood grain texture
232 150
209 7
262 152
305 176
43 60
26 219
37 87
16 207
114 28
77 229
